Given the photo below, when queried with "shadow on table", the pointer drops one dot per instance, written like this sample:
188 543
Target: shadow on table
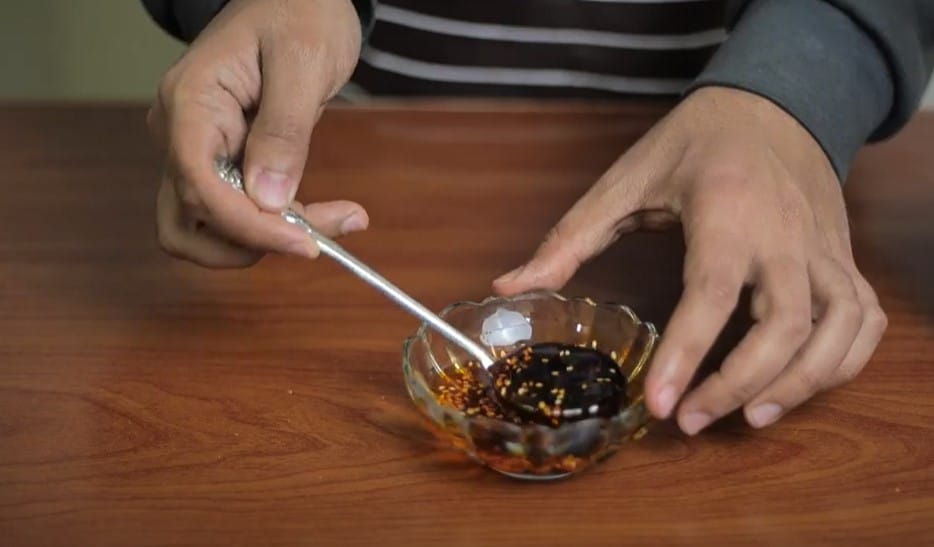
890 200
896 257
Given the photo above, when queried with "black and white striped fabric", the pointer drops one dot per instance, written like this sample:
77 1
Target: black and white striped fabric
539 48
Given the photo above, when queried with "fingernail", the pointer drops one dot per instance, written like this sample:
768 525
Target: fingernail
273 190
694 422
764 414
666 399
353 223
511 276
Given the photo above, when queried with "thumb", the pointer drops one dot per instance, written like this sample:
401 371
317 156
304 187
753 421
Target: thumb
277 145
589 227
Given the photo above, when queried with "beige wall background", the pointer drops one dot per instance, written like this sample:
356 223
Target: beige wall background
81 50
90 50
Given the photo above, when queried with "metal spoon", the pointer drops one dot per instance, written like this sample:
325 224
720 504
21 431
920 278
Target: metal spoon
229 173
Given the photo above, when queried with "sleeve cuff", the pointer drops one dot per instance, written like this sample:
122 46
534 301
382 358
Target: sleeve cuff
815 63
183 20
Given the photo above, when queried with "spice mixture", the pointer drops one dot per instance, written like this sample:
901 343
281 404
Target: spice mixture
545 383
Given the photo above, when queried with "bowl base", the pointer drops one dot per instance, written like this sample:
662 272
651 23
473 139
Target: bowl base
525 477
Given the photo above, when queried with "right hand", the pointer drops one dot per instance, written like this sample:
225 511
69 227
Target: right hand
252 86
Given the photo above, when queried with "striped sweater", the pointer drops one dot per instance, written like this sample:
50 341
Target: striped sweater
555 48
851 71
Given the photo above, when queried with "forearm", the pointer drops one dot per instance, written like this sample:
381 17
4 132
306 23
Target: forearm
849 71
185 19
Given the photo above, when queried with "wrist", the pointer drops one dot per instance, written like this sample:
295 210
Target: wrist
735 115
815 63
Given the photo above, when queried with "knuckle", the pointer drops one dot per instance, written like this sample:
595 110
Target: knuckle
151 119
793 325
259 238
182 174
786 263
690 355
809 380
742 390
559 241
846 299
876 318
165 90
273 242
188 197
306 53
168 240
169 86
846 374
844 284
850 310
716 286
185 90
284 129
556 236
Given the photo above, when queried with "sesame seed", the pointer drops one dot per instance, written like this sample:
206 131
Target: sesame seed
613 355
593 409
570 412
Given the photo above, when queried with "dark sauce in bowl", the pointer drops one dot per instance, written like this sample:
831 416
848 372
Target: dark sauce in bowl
546 383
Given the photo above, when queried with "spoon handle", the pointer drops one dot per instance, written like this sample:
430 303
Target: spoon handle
229 173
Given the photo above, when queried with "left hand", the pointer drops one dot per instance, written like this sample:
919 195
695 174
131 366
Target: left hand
761 205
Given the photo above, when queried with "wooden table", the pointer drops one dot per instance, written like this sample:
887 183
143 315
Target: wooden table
145 401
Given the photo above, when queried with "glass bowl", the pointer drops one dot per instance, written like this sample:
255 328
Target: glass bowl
531 451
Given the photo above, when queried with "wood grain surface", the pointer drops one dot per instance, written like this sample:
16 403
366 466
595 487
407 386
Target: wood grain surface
145 401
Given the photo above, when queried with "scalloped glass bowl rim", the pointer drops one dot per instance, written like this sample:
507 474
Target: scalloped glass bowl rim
621 308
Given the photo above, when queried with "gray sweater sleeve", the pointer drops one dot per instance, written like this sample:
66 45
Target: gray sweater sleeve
850 71
185 19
